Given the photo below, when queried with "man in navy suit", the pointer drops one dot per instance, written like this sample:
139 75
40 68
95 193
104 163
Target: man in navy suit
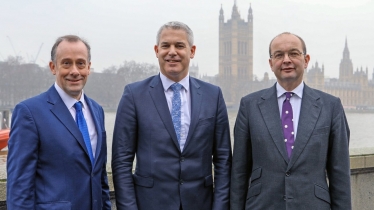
290 141
51 163
176 135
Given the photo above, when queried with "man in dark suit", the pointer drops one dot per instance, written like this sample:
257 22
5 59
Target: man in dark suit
53 162
289 139
175 133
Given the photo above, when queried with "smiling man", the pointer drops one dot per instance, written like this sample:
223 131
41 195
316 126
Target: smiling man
288 139
177 126
57 148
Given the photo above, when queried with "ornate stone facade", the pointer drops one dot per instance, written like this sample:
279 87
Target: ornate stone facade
235 55
354 88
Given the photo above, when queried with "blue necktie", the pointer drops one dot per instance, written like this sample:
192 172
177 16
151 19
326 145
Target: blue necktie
287 123
176 109
82 125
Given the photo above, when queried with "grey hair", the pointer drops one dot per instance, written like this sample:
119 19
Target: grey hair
69 38
289 33
175 25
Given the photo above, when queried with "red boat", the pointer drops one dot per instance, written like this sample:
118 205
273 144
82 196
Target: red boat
4 136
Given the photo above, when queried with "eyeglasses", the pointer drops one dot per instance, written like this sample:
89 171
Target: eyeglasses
294 54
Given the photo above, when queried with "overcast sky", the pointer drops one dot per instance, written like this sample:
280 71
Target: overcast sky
120 30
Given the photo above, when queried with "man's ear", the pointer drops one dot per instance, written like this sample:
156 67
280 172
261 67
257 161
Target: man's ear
156 50
52 67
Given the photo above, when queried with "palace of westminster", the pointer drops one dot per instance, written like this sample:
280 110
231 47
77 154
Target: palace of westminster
236 77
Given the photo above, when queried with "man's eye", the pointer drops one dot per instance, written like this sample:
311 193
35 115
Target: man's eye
278 55
294 54
65 63
164 46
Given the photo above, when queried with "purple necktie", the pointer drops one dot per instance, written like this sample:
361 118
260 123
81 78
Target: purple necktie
287 123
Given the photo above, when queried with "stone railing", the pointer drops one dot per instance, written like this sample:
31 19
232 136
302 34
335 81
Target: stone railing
362 180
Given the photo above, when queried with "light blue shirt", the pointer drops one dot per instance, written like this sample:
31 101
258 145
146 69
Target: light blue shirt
295 103
185 105
69 102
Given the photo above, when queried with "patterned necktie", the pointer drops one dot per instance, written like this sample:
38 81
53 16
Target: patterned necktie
82 125
287 123
176 109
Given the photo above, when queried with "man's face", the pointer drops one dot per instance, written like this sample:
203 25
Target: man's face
71 67
289 70
174 54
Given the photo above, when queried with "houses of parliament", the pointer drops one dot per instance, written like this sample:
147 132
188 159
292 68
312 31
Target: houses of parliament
236 78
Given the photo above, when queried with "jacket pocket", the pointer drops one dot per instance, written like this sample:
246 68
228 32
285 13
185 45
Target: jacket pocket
208 181
321 131
256 174
206 121
60 205
254 190
322 193
143 181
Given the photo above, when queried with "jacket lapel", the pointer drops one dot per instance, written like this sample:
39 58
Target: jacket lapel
158 96
95 116
309 114
196 99
270 114
58 108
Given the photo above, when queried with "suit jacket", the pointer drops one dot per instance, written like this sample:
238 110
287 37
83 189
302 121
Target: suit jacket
166 178
48 164
263 177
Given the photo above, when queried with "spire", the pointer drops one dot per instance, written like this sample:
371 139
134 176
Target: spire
346 50
250 17
235 12
221 17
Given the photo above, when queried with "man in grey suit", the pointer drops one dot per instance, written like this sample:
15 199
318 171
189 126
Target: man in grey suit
290 141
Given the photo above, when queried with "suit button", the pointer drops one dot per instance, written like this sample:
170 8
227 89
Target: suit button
284 197
288 173
182 159
181 181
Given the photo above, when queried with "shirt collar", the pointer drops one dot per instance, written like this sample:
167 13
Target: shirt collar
298 90
68 100
166 82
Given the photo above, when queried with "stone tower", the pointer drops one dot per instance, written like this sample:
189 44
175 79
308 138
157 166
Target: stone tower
235 55
346 66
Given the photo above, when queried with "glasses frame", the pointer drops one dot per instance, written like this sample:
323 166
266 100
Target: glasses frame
288 54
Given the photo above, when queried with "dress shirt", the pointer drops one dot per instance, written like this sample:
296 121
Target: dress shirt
185 105
69 102
295 103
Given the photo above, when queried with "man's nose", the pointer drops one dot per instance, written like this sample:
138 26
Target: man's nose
286 58
74 70
172 50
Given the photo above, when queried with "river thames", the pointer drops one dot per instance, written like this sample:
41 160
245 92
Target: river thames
361 141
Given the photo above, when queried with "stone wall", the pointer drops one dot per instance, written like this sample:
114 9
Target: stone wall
362 181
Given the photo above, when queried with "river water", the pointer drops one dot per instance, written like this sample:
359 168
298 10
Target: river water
361 142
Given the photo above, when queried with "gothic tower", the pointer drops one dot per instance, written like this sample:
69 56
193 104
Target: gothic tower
346 66
235 55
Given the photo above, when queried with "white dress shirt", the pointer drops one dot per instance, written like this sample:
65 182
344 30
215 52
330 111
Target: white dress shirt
185 106
69 102
295 103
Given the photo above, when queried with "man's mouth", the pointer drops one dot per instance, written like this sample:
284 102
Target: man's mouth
73 80
172 60
287 69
